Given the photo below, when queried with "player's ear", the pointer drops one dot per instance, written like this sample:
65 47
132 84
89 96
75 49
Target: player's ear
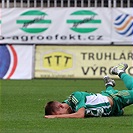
61 106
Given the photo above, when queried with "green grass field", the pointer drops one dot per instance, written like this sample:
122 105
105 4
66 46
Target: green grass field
22 107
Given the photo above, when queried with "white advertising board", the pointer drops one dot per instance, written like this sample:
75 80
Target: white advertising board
16 61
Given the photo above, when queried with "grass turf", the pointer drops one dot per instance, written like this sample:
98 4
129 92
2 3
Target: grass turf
22 102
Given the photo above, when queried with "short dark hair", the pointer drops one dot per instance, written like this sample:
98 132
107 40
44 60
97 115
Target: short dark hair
50 107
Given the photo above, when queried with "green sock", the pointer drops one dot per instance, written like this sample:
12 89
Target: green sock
127 79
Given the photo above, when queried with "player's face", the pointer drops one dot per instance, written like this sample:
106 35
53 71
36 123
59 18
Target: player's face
63 109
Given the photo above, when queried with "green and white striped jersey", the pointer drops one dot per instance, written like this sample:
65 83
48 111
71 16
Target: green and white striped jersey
94 104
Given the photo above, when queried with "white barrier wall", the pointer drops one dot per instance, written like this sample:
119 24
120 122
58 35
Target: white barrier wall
122 26
80 61
16 61
64 26
67 26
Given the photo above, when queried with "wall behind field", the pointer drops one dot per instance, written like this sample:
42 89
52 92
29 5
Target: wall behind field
68 40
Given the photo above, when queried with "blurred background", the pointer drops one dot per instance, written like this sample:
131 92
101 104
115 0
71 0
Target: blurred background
64 38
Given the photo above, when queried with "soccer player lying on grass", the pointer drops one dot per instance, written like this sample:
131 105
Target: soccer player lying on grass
109 102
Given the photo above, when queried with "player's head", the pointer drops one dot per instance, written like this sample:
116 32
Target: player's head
56 108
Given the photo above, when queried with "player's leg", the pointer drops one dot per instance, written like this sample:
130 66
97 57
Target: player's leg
128 80
120 71
126 98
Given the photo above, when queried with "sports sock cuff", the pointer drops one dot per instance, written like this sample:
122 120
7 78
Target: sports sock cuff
108 85
120 74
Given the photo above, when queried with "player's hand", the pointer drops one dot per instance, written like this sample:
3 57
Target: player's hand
49 116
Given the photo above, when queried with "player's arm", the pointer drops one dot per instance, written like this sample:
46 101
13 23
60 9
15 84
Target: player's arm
79 114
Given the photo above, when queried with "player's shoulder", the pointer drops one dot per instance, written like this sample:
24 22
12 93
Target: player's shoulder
77 93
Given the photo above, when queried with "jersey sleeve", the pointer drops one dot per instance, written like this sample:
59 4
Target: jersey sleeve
76 100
